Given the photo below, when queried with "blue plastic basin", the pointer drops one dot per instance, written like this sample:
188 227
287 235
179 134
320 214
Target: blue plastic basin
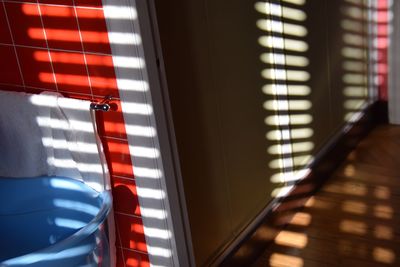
52 221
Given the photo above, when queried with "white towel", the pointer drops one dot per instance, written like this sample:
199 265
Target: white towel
50 135
21 150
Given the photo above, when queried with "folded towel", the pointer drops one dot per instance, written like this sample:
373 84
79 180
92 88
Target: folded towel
21 150
50 135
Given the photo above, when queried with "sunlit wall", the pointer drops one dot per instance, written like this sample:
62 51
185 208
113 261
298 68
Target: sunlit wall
257 90
383 17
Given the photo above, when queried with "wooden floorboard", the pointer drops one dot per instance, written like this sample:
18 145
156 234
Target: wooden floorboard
354 220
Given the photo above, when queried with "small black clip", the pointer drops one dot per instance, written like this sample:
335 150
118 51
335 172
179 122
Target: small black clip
103 105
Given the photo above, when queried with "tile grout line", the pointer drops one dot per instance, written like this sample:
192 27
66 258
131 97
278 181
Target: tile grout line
47 44
129 215
117 139
13 45
57 49
117 229
53 5
120 242
134 250
83 49
124 178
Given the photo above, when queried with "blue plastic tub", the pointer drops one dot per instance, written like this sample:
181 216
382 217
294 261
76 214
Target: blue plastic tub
52 221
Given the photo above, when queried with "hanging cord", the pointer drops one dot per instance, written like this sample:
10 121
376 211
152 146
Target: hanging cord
104 105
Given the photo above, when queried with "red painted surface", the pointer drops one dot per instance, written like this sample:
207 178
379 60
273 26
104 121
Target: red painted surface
382 48
64 47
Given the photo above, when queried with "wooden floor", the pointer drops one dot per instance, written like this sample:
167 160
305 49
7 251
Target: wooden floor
355 219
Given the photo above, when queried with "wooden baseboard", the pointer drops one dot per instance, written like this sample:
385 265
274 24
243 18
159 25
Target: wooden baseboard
262 234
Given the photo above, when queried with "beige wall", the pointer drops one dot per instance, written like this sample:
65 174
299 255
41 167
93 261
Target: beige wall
219 81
